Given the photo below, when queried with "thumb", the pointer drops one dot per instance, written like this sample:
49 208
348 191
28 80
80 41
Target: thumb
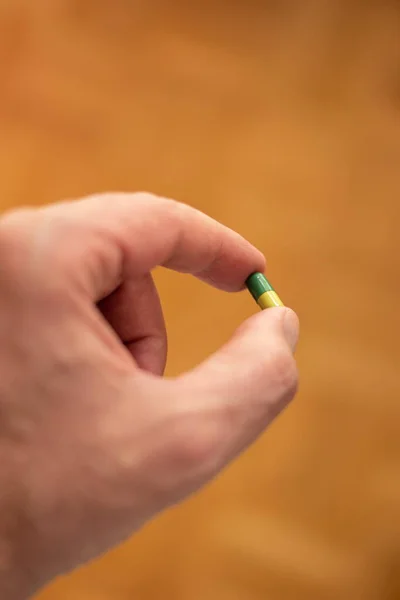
246 383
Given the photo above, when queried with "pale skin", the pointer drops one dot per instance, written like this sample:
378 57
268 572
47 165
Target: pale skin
93 440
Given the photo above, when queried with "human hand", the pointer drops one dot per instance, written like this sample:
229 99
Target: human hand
93 441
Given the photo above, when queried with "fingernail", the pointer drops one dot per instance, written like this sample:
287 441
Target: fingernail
291 328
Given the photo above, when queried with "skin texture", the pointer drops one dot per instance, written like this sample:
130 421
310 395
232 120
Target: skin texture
93 441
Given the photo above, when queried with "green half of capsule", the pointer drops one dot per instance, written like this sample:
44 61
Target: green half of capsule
262 291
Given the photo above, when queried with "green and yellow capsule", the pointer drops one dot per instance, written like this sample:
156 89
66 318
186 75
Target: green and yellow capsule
262 291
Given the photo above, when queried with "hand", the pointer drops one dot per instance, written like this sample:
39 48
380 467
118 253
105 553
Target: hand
93 441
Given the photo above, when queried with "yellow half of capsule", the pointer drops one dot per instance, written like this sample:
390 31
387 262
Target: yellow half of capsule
269 300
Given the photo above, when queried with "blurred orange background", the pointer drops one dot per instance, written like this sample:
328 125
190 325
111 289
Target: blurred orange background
281 119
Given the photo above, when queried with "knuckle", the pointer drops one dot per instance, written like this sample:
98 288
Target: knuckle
193 444
176 210
124 199
144 196
34 243
285 374
171 209
15 234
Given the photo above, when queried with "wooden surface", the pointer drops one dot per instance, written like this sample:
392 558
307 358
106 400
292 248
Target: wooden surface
282 119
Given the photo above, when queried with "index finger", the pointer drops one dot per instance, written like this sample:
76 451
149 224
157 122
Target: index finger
122 236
